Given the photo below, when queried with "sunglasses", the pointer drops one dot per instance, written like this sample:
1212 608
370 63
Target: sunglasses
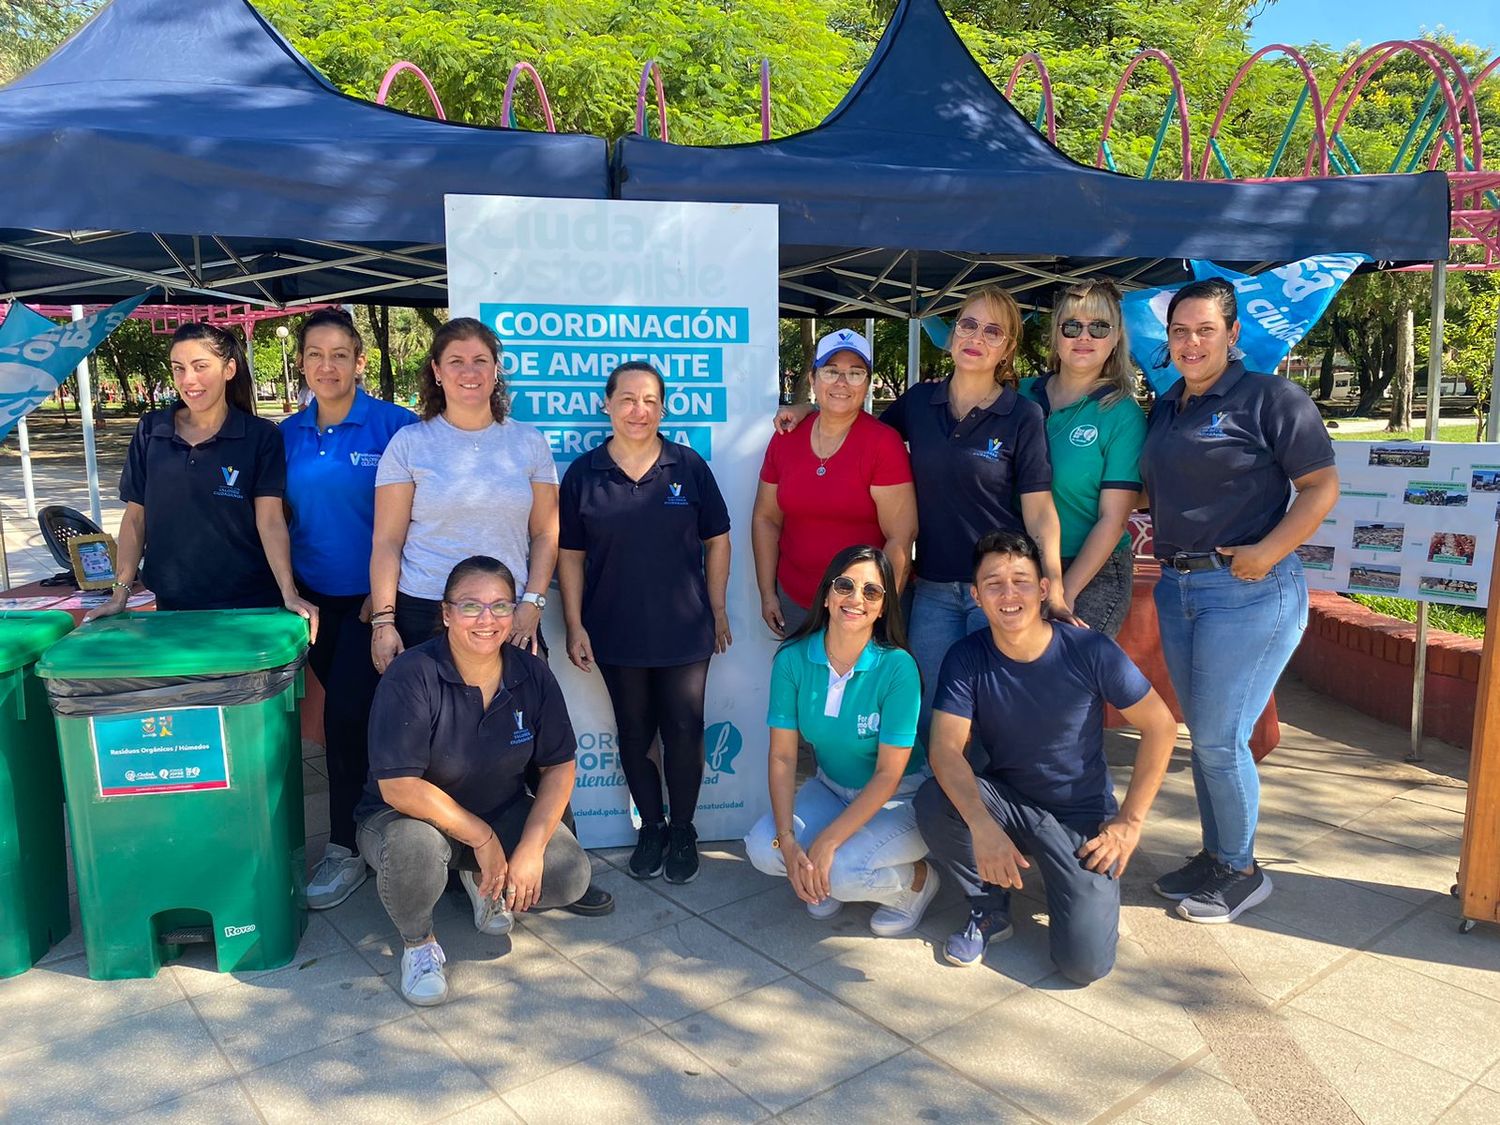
990 333
1098 329
843 587
474 610
854 376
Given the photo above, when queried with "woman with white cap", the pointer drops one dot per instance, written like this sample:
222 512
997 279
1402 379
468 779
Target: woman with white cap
838 479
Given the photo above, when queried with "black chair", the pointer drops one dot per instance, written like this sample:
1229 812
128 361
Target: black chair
59 524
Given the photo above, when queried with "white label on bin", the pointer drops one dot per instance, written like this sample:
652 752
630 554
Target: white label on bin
236 931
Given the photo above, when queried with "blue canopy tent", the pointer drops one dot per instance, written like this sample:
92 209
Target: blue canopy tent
925 182
189 146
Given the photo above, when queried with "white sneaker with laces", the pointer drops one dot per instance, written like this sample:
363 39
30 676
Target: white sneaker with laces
338 875
422 979
490 915
824 910
904 915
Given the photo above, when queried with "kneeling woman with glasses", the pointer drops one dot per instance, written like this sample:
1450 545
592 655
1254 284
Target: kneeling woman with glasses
845 684
456 722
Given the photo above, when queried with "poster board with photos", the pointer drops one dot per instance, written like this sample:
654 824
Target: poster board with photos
1413 520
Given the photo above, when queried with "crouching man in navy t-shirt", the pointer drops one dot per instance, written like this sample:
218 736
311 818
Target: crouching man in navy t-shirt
1032 693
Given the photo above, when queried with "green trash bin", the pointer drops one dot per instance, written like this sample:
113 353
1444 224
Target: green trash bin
181 758
33 849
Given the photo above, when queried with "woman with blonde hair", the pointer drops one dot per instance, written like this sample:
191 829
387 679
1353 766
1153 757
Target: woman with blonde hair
1095 431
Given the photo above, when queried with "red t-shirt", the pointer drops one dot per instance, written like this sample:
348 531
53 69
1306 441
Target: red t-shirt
820 516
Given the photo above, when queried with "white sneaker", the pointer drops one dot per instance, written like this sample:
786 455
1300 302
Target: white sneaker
337 876
490 915
903 915
824 910
422 979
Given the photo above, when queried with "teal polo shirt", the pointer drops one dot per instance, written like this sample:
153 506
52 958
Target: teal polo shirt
881 699
1093 447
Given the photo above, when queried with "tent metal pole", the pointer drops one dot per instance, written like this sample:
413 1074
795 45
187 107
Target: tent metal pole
913 332
1434 410
1494 419
870 383
28 484
86 412
4 554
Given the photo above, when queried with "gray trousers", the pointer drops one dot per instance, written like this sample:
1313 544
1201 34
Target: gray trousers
412 859
1104 603
1084 907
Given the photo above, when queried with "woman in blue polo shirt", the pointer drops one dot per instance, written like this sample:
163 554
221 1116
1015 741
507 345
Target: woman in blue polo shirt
844 683
643 525
458 721
203 485
1226 450
1094 435
332 447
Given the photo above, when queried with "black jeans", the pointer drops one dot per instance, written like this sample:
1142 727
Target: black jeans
341 660
668 701
1105 602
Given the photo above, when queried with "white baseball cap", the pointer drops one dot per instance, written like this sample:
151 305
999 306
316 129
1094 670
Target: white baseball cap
844 340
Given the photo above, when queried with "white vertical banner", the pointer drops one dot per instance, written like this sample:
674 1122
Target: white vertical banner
574 288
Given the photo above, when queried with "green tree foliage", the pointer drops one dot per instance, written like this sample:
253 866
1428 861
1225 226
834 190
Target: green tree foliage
30 30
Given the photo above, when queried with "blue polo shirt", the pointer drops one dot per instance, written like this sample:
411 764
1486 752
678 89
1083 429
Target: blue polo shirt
202 548
426 722
645 597
330 486
969 472
1219 470
1042 723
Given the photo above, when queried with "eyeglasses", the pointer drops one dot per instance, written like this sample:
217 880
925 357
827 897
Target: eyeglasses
474 610
854 376
843 587
991 333
1098 329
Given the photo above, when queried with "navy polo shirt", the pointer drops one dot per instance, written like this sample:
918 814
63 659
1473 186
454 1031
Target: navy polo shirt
330 486
1042 723
202 548
426 722
969 472
1219 470
645 597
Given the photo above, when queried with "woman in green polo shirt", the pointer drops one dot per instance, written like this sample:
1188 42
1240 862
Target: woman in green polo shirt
844 683
1095 432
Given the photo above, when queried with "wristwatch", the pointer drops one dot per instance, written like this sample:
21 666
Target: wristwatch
538 600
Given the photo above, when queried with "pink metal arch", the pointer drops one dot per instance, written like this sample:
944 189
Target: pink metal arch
653 68
1319 145
1183 126
541 92
765 100
1045 76
390 77
1382 53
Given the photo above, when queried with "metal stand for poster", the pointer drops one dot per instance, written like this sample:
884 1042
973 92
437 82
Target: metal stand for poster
1434 409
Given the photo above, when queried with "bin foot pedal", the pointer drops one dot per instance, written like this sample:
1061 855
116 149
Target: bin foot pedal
187 935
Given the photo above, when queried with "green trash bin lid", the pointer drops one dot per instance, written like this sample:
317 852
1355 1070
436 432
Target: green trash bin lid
25 636
178 643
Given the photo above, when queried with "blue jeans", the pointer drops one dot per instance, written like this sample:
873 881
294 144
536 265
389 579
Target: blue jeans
1226 642
942 613
873 865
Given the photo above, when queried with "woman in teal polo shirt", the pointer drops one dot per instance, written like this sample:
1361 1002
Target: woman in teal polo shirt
1095 432
845 684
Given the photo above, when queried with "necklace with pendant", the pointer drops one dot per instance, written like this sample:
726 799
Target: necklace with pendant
822 461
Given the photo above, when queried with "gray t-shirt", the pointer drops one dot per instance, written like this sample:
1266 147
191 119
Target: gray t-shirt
473 497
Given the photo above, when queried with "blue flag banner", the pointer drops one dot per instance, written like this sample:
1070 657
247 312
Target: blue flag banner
36 354
1277 308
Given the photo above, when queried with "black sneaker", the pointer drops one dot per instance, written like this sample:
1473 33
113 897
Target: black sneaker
1226 895
595 901
682 853
650 850
1177 885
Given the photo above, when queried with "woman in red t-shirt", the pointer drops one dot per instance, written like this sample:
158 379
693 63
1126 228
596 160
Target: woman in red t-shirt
840 479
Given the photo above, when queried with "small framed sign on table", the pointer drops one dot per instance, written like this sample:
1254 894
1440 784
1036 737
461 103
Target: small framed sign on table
93 561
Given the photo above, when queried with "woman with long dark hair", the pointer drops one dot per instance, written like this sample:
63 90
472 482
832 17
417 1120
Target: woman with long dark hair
203 485
845 684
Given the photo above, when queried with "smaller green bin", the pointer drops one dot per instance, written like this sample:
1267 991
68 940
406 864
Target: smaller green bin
33 848
181 758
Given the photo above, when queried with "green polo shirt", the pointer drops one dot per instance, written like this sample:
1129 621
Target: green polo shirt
881 699
1093 447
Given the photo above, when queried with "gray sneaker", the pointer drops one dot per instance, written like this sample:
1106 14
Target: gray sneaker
338 875
490 915
1177 885
1226 895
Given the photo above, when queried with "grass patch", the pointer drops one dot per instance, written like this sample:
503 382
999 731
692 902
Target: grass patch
1450 618
1447 431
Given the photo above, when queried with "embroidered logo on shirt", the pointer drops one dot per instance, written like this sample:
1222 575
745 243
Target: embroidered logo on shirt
364 460
867 725
522 734
229 488
1083 436
991 451
675 498
1214 427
